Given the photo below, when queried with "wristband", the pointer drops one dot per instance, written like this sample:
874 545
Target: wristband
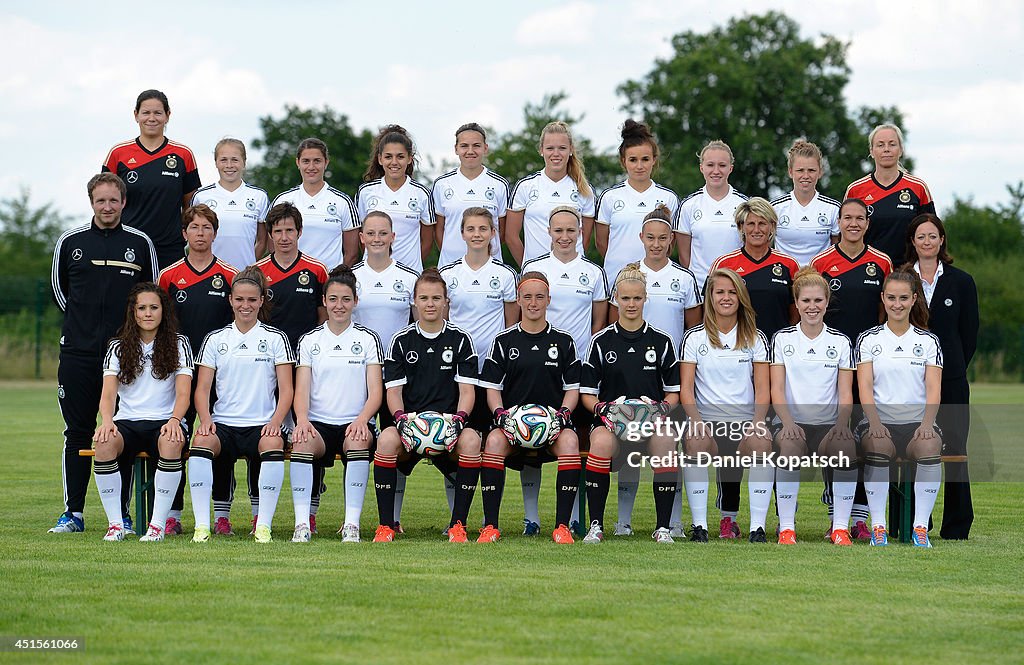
175 418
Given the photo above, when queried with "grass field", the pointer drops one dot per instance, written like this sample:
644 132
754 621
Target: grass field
421 600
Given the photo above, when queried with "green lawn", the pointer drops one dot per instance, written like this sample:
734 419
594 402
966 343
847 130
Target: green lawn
421 600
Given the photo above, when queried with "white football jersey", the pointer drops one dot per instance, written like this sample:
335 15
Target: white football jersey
477 300
147 398
385 298
622 209
409 207
670 292
246 367
724 385
898 364
804 232
324 218
575 287
338 363
537 195
812 372
453 193
711 226
239 213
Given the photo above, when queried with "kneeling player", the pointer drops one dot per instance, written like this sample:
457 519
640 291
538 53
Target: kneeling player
629 358
430 366
531 363
147 376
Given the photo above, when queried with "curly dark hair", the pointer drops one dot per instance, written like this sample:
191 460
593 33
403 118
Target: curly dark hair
165 346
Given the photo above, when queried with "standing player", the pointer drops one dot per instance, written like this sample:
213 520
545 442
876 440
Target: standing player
812 392
629 358
147 378
562 182
241 207
330 421
388 186
95 266
472 185
893 196
430 366
200 285
622 209
161 176
808 220
725 392
531 363
899 368
673 304
332 226
251 362
705 221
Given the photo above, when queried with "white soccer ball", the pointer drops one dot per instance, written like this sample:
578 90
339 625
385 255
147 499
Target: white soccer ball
531 425
428 433
623 411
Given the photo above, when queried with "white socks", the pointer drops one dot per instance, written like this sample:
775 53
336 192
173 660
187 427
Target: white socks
200 480
696 479
787 483
926 491
530 478
844 487
759 484
357 473
629 483
271 479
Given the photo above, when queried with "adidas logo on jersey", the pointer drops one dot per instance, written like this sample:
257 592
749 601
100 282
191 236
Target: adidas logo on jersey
337 347
834 268
811 352
740 270
656 285
378 285
471 192
565 275
642 205
476 282
430 350
631 350
899 348
869 198
182 281
311 207
556 195
804 219
394 203
232 203
132 161
535 348
718 213
243 346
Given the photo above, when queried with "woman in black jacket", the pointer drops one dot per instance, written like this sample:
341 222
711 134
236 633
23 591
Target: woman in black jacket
953 317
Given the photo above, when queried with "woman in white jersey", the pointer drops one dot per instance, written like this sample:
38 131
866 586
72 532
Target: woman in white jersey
622 209
241 208
482 297
673 304
808 220
812 392
251 363
725 393
899 369
472 185
147 377
705 222
388 186
330 227
329 421
562 182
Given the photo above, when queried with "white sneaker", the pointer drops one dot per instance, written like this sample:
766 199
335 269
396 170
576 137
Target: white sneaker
662 535
676 531
154 534
301 534
350 533
623 529
115 532
595 535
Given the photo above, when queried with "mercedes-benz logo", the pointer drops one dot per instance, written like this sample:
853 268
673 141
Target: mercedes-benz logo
132 177
76 254
412 357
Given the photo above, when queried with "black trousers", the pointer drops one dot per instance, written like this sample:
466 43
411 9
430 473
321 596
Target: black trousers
79 384
955 420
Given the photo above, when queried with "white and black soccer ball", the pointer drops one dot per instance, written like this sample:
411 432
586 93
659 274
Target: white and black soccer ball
428 433
531 425
623 411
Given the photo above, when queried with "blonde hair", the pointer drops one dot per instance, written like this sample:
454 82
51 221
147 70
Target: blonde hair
575 167
572 210
717 144
755 205
809 277
899 140
746 322
803 148
631 273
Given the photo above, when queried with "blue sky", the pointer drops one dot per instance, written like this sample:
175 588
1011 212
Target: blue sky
73 72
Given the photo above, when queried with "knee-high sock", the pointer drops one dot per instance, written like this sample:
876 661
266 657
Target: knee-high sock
876 484
398 492
301 473
223 486
598 482
530 478
165 484
271 479
728 500
759 485
664 493
385 477
568 486
844 486
697 482
926 489
319 486
492 480
466 479
677 502
628 483
253 483
787 483
108 482
449 492
357 472
200 479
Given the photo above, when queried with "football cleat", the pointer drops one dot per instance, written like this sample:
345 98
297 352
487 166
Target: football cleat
787 537
68 523
841 537
728 529
676 531
698 534
562 535
623 529
222 527
172 527
349 533
153 535
530 528
384 534
399 530
879 537
252 530
577 528
312 524
595 535
828 534
262 534
301 534
758 536
457 533
920 537
115 532
201 534
126 524
489 534
663 535
861 531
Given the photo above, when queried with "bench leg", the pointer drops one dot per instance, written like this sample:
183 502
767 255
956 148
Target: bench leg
141 520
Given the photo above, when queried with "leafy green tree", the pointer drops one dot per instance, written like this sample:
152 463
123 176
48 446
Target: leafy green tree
28 235
348 149
758 85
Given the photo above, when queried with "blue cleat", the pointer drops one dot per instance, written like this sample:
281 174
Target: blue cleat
879 536
68 523
920 537
126 526
530 528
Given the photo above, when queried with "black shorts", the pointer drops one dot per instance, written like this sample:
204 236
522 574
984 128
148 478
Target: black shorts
141 436
480 418
521 457
901 435
814 435
236 442
334 440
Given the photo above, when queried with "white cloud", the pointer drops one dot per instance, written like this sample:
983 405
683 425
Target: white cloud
569 24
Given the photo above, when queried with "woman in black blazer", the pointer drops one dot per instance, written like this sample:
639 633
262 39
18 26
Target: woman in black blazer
953 309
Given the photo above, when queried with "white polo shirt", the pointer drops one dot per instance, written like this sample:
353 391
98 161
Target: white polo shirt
453 193
477 300
385 298
898 364
711 226
324 218
409 208
239 213
622 209
575 287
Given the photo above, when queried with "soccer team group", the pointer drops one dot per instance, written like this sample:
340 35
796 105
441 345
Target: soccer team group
804 315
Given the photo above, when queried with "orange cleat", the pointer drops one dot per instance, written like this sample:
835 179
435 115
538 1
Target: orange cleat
384 534
787 537
457 533
489 534
562 535
841 537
